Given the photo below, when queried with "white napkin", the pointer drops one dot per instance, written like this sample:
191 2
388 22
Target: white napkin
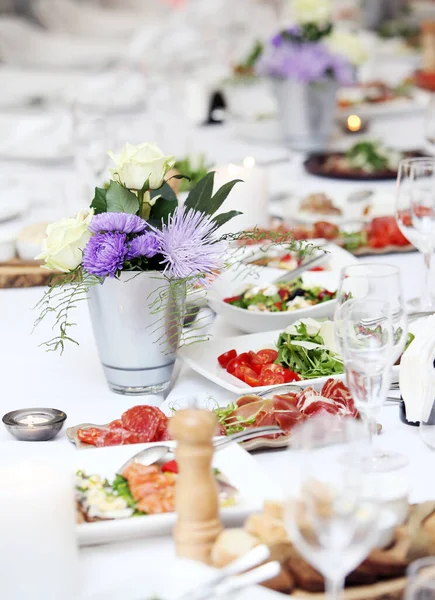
417 373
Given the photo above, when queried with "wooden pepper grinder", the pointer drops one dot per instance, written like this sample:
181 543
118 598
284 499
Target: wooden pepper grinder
196 495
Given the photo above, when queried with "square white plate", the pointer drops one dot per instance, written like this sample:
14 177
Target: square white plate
169 581
241 469
202 358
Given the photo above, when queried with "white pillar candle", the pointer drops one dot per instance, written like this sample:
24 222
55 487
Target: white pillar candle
38 546
251 197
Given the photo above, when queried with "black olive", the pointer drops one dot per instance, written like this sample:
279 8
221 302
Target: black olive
297 292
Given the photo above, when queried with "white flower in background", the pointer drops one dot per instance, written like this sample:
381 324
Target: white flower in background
348 45
312 11
138 164
62 249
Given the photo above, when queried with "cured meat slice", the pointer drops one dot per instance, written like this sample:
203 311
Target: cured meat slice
266 418
153 491
90 435
337 391
248 411
305 397
322 405
142 419
287 419
110 437
285 401
248 400
115 424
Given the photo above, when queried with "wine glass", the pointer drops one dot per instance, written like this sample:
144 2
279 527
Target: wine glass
330 512
421 579
366 281
415 215
368 349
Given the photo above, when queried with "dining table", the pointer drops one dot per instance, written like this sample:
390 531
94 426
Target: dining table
74 381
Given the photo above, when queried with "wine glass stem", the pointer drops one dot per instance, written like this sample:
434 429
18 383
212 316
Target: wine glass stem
334 589
426 299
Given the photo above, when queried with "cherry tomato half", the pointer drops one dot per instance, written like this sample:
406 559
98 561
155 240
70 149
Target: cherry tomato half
247 375
242 359
225 358
170 467
267 356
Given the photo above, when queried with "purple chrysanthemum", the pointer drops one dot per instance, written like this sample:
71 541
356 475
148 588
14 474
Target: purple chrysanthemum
304 62
117 221
143 245
187 246
104 254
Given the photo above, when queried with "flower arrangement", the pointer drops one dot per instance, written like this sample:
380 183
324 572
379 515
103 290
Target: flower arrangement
312 50
136 224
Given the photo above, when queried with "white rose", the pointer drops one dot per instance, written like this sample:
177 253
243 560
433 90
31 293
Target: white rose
137 164
348 45
312 11
62 249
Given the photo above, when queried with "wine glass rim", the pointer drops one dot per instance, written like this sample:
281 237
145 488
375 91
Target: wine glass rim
382 269
417 159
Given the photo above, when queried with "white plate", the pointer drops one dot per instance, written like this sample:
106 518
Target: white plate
415 104
235 463
257 322
170 579
202 358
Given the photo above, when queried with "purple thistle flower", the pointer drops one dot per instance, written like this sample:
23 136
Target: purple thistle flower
186 244
117 221
304 62
143 245
104 254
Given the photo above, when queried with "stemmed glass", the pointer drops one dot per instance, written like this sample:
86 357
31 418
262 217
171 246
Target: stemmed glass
415 215
429 124
368 350
368 281
421 579
331 512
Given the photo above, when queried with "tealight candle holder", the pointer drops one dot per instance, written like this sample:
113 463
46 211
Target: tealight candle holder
34 424
354 124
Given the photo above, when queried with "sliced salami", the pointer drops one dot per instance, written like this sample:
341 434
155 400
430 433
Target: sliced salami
115 424
110 437
90 435
142 419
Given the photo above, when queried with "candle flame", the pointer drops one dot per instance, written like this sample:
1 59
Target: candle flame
354 123
249 162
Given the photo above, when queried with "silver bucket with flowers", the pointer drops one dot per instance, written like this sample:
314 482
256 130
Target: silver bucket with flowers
134 256
306 64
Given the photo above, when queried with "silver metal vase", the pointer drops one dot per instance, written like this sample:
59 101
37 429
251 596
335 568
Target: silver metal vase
137 321
306 112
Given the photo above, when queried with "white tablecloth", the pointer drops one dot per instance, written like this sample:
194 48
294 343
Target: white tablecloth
75 382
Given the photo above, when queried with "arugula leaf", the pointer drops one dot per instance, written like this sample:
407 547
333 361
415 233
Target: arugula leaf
121 488
307 355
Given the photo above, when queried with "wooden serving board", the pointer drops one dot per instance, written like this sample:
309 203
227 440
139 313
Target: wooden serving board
384 590
19 273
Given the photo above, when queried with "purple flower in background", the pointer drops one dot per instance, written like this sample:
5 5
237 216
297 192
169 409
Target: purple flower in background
117 221
187 245
144 245
104 254
305 62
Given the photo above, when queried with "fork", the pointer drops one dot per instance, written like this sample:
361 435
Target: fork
154 452
411 317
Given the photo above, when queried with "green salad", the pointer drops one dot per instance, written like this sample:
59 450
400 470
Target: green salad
282 297
308 347
372 157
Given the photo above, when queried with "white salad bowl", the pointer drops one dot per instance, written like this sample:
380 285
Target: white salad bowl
256 322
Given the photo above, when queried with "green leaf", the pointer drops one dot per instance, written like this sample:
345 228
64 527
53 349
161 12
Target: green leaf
99 203
221 195
225 217
165 191
120 199
200 197
161 210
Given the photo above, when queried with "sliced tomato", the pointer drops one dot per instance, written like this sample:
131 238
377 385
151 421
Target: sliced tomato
232 299
225 358
267 356
245 373
273 368
269 378
242 359
290 376
283 294
170 467
317 269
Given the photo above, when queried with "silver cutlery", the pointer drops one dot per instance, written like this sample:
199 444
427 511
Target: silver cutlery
284 388
226 576
411 317
309 264
155 452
